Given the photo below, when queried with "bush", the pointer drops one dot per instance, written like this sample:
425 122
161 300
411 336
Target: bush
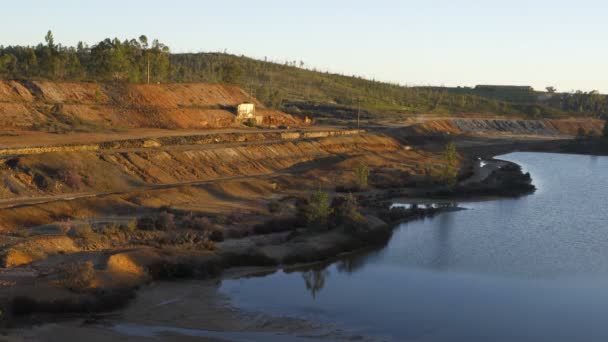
345 213
362 174
315 210
77 276
449 171
82 232
164 221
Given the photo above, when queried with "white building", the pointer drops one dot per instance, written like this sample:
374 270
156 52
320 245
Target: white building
245 111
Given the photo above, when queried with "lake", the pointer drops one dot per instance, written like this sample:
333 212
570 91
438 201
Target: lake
527 269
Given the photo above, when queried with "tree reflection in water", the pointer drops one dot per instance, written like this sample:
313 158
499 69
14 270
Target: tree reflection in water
315 280
352 263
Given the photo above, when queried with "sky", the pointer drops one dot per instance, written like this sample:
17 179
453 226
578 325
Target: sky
424 42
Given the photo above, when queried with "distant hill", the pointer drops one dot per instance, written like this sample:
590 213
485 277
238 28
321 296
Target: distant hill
295 88
289 86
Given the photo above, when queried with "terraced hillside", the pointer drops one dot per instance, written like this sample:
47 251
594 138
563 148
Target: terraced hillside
498 127
60 107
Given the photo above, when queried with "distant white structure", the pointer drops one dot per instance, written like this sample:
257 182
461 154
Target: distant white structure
246 112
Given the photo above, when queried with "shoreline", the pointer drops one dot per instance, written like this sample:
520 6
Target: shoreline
239 272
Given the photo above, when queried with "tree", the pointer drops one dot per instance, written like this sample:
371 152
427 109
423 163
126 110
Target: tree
551 90
233 72
50 41
362 174
315 210
30 66
346 214
449 172
8 65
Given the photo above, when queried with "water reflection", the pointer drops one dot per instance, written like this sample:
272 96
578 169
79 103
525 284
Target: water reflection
353 263
443 248
315 277
527 269
315 280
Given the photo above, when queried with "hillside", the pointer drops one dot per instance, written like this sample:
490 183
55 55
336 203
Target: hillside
288 86
297 89
63 106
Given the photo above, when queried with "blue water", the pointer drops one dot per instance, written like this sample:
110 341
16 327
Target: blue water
527 269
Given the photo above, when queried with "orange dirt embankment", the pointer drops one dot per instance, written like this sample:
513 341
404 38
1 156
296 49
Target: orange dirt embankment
152 178
101 171
501 127
44 105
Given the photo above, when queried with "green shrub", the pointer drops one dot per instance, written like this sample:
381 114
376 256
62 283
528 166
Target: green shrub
77 276
449 170
345 213
315 210
362 174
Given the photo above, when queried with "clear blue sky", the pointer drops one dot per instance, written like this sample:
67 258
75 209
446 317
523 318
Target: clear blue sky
423 42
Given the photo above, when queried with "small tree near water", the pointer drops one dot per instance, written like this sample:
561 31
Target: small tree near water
449 172
316 209
362 173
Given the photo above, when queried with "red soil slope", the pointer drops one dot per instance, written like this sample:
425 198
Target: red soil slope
40 105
